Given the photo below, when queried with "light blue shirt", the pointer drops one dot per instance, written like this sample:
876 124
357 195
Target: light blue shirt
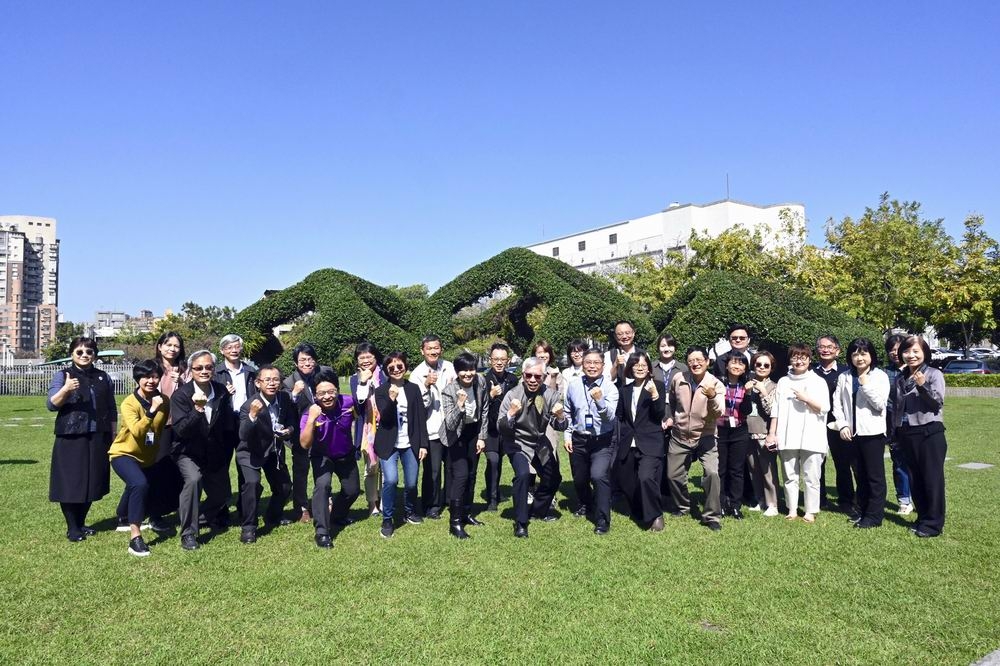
579 403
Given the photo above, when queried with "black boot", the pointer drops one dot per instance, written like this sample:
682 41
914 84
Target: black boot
456 527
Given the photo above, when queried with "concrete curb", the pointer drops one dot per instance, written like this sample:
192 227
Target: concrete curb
992 659
970 392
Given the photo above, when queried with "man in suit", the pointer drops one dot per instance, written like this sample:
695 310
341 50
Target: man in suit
739 343
267 421
238 378
498 382
204 424
592 401
622 346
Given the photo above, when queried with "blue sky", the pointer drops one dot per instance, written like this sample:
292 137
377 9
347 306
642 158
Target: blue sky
209 151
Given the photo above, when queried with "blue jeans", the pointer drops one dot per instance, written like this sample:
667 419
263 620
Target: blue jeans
900 474
390 477
136 487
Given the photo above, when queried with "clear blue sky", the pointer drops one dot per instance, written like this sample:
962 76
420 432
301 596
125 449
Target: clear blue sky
209 151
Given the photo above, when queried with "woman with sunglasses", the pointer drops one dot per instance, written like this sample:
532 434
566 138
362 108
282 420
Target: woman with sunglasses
401 434
763 457
86 423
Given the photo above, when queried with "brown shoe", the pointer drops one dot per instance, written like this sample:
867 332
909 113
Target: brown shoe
306 516
657 525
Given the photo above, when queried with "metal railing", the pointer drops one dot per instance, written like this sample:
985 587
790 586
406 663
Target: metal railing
35 380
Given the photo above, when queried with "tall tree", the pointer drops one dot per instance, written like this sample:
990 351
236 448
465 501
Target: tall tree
647 282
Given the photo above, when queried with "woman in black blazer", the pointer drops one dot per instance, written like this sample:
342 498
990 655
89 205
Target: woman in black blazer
400 437
641 448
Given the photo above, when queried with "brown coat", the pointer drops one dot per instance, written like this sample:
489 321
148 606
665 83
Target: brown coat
694 414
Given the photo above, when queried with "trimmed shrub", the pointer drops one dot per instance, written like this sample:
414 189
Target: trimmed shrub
972 381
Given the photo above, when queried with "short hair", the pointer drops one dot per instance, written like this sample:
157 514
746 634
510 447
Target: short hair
828 336
695 348
622 321
739 358
303 348
576 345
913 341
147 368
669 339
763 353
464 361
864 345
634 358
181 356
592 351
892 341
366 347
228 340
85 342
799 348
327 375
531 362
198 354
429 338
738 327
501 346
394 356
268 366
547 348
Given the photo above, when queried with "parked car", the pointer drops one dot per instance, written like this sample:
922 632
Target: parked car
983 352
967 366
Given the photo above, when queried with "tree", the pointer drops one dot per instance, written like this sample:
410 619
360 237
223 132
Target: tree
884 267
414 292
966 296
649 284
59 346
201 327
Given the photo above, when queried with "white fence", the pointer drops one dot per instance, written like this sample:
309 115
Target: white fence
35 380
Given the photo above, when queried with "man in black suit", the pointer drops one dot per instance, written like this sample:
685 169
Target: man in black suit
739 343
267 421
204 424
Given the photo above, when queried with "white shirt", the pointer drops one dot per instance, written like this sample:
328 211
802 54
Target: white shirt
609 364
208 405
446 373
403 434
238 378
800 428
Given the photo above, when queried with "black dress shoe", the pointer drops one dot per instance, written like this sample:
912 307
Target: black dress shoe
520 531
737 514
715 527
581 511
491 507
433 514
248 536
678 514
75 537
324 541
343 522
601 529
865 525
472 520
189 543
88 531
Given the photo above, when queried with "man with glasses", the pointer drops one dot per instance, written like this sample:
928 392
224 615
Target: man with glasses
622 347
739 343
525 413
498 383
238 378
593 402
267 421
844 454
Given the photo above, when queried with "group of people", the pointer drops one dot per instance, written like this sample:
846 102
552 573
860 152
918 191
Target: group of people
631 424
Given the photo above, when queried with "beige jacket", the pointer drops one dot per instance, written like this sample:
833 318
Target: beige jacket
694 414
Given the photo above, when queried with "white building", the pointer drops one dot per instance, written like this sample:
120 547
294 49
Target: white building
601 249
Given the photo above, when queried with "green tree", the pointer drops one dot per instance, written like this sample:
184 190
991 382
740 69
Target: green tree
201 327
883 268
647 282
414 292
966 296
59 346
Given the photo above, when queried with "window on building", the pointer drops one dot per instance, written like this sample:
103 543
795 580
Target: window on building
555 252
613 239
581 246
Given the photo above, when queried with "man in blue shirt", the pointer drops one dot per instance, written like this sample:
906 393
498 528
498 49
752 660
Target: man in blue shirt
592 401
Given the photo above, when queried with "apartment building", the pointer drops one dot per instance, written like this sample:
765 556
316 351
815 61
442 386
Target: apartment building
29 282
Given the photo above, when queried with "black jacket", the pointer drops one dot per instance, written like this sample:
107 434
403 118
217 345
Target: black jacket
257 438
207 443
75 415
388 424
645 428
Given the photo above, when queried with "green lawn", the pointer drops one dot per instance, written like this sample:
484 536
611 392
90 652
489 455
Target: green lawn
763 590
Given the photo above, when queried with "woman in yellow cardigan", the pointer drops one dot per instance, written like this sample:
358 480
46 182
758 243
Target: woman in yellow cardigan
143 415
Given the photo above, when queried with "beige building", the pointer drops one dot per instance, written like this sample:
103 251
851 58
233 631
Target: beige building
29 282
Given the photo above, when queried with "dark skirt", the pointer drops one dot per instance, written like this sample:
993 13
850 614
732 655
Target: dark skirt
81 471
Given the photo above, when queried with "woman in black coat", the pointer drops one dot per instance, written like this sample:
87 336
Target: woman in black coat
86 423
641 448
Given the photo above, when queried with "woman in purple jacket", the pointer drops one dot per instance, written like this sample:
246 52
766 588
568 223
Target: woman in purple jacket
326 434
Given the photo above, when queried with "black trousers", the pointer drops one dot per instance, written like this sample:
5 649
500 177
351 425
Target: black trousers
845 462
276 473
734 447
550 478
433 484
925 448
75 514
871 477
590 463
324 469
214 482
461 468
494 467
639 477
300 478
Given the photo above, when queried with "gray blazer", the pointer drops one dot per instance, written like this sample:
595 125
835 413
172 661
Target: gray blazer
451 424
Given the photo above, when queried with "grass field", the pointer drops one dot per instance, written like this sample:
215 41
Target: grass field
763 590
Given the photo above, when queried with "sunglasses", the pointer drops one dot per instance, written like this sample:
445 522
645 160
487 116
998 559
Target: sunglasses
83 352
533 375
202 368
396 368
738 338
762 365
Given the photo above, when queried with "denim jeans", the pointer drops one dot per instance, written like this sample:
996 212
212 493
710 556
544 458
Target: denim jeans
900 474
390 477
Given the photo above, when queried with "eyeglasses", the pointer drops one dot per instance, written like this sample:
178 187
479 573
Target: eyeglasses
827 347
326 394
497 359
396 368
269 380
762 365
202 368
84 352
739 338
533 375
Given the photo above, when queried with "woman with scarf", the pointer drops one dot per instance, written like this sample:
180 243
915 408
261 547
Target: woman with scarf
86 423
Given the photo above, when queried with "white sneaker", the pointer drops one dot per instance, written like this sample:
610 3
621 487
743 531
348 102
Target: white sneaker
531 498
771 511
755 507
905 509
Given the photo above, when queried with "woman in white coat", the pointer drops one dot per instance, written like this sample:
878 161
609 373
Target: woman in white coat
798 426
859 404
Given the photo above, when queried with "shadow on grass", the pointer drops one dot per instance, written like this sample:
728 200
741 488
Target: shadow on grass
18 462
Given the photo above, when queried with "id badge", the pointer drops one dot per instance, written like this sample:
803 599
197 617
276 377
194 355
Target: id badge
150 438
588 421
732 421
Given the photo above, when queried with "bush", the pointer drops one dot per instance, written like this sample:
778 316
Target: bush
972 381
